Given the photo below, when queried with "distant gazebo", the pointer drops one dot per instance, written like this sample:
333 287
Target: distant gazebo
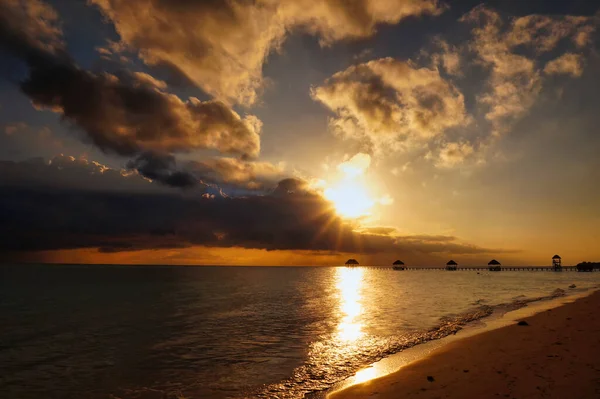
398 265
451 265
494 266
556 263
351 262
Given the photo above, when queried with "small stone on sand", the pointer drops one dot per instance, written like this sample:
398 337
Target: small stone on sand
522 323
430 378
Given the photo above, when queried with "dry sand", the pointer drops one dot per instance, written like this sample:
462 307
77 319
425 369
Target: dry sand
556 356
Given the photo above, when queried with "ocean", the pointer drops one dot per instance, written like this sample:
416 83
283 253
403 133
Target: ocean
83 331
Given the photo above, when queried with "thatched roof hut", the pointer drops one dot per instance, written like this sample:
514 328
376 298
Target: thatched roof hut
452 265
352 262
556 257
494 266
398 265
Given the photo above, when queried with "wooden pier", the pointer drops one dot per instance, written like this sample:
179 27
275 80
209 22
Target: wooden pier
486 269
493 266
502 268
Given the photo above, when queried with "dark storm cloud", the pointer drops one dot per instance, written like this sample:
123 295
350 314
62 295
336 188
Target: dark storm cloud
38 214
162 168
129 114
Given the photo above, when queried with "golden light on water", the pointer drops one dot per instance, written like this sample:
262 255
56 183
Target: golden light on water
349 284
365 375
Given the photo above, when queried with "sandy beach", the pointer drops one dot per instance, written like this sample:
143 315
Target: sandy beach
556 355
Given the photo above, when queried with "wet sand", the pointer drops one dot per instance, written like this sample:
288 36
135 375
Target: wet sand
557 355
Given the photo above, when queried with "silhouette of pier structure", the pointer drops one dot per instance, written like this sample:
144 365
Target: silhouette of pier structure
493 266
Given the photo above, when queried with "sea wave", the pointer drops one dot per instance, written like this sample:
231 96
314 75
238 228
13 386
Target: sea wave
326 367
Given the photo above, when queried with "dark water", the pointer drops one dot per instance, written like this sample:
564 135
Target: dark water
226 332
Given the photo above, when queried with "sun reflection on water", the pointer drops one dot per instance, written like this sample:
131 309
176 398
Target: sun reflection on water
349 283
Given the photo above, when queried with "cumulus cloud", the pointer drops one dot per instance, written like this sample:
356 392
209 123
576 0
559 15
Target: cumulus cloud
566 64
387 100
127 116
130 114
516 80
30 29
448 57
50 212
251 175
453 154
221 46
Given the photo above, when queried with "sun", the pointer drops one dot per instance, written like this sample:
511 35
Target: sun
350 198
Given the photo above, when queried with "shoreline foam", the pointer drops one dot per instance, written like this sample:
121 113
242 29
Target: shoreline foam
410 348
479 320
399 369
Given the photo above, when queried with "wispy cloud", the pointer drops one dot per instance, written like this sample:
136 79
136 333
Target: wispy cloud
516 80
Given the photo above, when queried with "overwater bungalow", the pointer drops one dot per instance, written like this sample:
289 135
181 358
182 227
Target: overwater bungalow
398 265
351 262
494 266
451 265
557 263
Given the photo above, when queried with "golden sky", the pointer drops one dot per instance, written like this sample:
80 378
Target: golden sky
299 133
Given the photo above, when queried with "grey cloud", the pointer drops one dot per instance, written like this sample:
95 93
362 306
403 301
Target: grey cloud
68 173
162 169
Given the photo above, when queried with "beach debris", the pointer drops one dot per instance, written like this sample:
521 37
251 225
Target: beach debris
465 371
430 378
572 286
522 323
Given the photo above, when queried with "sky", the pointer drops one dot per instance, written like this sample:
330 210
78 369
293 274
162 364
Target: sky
272 132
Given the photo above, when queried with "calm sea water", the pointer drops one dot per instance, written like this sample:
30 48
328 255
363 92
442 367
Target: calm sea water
228 332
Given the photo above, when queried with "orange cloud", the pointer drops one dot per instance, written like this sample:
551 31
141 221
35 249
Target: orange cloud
388 101
566 64
222 46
